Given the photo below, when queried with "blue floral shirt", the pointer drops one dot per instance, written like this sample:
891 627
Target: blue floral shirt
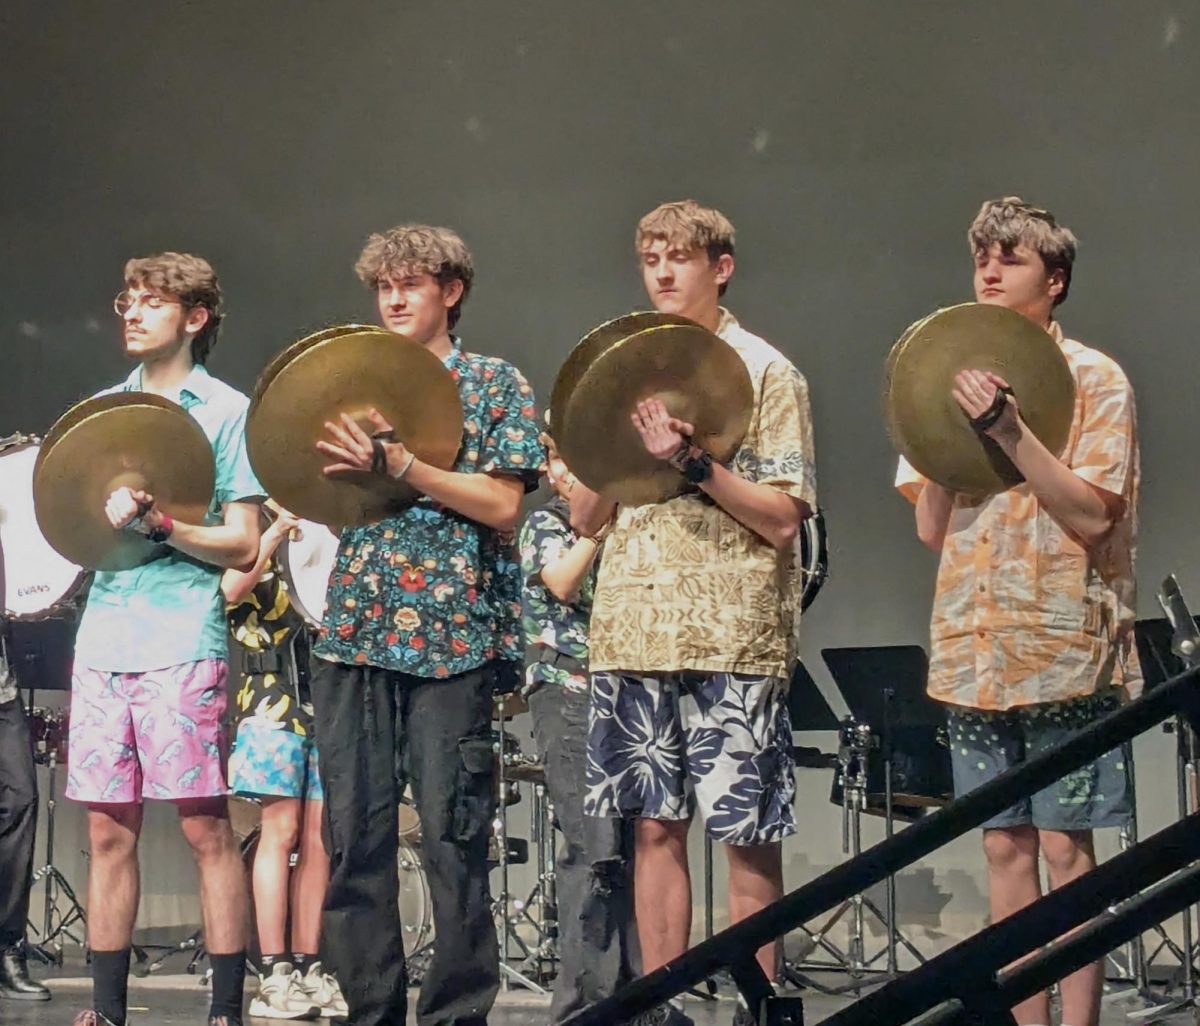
563 627
430 592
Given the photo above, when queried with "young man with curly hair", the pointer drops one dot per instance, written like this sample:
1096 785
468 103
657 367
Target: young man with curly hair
422 608
151 658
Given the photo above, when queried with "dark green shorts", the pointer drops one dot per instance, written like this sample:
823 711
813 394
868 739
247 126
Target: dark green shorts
985 744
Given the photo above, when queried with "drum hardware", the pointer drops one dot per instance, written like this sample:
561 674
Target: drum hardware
131 439
929 428
1167 648
349 369
504 745
697 374
48 733
812 557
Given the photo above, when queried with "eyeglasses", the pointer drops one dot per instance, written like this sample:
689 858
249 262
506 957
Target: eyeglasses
125 301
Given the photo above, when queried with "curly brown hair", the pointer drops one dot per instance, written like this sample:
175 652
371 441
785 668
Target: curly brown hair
192 281
1009 221
440 252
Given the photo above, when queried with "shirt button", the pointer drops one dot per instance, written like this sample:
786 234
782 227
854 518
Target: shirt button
984 537
651 586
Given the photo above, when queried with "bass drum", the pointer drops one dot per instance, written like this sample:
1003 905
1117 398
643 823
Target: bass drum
305 562
415 904
36 583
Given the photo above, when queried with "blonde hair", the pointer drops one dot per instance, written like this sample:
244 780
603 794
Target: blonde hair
687 224
440 252
192 281
1009 221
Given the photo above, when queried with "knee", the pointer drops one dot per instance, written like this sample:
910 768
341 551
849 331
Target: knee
1066 853
110 839
280 832
210 837
1010 850
662 834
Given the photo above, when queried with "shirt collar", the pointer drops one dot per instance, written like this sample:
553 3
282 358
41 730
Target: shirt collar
198 384
727 322
1056 332
451 358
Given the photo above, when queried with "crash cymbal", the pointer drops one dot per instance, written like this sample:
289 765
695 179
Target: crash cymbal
349 371
929 428
700 378
589 349
134 439
285 356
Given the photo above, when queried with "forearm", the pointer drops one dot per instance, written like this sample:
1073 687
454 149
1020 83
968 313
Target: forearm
590 511
237 584
565 575
223 545
1076 505
771 514
933 514
494 502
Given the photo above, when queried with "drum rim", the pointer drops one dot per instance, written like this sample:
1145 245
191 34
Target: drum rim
16 443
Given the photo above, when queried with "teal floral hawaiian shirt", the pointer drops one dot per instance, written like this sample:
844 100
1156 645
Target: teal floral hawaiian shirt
430 592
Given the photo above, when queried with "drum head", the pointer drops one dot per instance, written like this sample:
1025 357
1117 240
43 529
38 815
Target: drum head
36 578
305 563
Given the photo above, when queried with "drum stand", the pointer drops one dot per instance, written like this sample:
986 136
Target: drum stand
544 896
506 923
55 925
854 743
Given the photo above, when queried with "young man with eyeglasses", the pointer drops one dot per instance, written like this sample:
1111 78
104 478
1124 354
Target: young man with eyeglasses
151 658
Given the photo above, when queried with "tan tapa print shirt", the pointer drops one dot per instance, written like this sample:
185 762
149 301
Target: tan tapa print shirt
684 586
1022 612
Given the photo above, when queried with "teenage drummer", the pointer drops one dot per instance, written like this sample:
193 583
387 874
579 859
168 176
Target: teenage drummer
274 761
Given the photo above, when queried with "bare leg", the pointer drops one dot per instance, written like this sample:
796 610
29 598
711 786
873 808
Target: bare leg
205 824
1013 883
1070 855
309 882
277 840
662 890
113 882
755 881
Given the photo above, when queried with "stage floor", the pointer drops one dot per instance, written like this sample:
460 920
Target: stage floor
181 1000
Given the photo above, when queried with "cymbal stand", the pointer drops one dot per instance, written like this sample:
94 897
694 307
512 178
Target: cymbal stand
505 921
540 908
56 925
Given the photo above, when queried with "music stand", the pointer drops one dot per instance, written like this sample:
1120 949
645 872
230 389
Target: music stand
806 705
884 686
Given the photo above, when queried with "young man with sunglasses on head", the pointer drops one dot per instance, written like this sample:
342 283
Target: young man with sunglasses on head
151 658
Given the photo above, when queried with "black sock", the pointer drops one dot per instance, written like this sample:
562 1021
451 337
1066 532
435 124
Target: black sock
302 961
267 962
110 984
228 979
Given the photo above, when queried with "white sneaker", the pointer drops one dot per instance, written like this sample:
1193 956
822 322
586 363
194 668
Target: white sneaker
323 991
282 996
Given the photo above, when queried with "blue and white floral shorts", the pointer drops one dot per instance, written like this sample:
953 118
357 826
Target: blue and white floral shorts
658 746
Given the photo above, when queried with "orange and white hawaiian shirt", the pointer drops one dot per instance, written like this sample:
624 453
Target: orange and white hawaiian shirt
1023 613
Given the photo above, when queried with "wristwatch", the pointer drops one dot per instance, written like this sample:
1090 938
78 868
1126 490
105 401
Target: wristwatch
693 463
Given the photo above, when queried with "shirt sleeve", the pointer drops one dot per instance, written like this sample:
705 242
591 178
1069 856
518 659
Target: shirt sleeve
909 482
543 538
236 480
785 459
1106 452
511 445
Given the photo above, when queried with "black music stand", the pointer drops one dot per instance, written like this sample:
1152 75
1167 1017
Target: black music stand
884 686
806 705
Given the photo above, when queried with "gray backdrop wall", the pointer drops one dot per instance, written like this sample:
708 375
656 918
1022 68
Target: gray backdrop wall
850 143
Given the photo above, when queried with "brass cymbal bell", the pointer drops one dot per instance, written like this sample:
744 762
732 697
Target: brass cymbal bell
349 371
590 348
699 377
926 424
131 439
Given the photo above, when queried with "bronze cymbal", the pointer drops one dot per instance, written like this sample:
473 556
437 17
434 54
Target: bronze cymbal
135 439
349 371
285 356
699 377
590 348
926 424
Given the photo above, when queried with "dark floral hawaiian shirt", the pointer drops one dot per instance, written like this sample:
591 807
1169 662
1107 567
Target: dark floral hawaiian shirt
430 592
547 621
